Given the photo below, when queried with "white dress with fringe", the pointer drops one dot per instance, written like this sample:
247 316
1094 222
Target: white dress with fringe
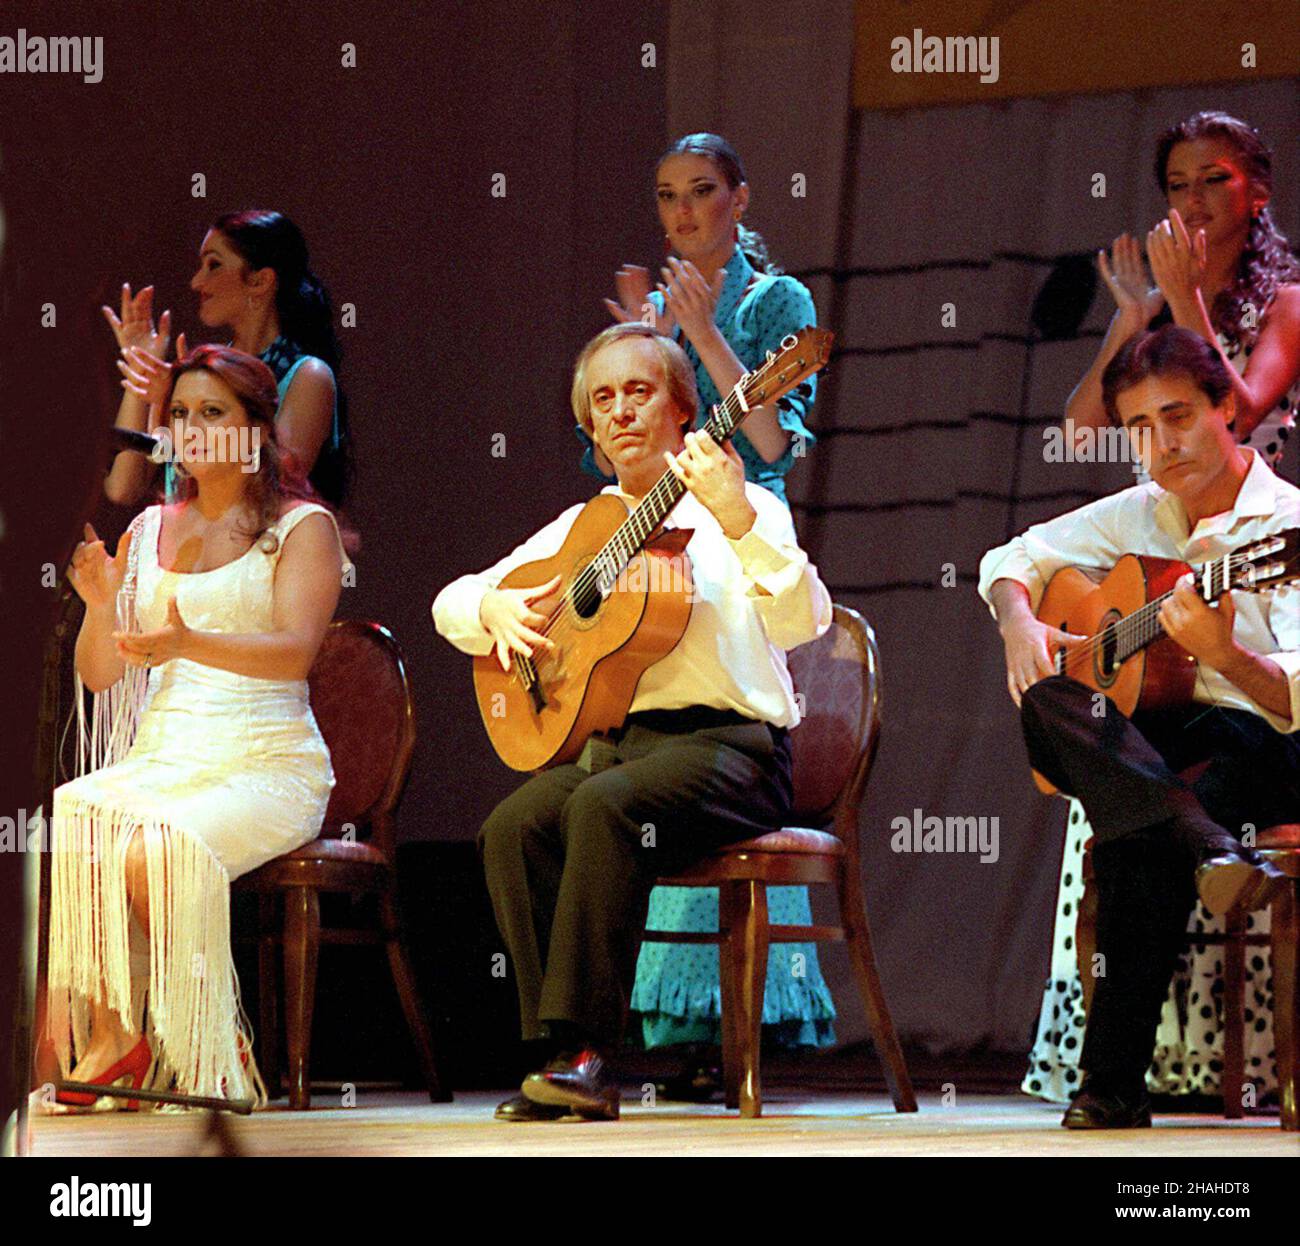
222 773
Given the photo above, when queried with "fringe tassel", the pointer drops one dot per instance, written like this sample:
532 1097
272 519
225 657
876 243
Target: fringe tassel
194 1002
199 1032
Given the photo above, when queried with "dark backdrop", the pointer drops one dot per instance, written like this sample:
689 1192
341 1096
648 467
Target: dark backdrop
469 308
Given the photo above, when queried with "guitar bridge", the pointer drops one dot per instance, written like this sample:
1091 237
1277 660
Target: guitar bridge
528 677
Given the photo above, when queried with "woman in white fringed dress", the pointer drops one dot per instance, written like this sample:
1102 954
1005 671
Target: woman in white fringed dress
205 761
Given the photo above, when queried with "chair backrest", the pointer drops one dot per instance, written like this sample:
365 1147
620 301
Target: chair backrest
362 702
837 680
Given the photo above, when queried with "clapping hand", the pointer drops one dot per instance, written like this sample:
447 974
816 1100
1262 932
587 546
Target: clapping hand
1125 276
690 299
155 648
97 577
1178 261
146 375
633 285
135 326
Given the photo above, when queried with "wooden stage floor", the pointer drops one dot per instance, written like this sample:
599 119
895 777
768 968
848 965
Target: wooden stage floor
823 1122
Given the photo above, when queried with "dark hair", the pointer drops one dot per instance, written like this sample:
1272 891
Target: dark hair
1267 260
1161 352
723 157
253 384
268 239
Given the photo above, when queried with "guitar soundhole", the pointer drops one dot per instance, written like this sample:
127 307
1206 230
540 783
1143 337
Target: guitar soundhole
1106 664
586 599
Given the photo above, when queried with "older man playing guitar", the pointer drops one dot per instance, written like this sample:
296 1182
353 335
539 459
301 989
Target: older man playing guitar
701 758
1235 654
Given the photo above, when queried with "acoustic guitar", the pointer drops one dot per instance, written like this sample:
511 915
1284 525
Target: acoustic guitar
1127 654
624 599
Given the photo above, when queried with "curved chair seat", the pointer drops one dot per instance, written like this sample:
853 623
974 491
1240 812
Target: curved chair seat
330 864
1285 838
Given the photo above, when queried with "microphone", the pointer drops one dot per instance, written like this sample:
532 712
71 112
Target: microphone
144 443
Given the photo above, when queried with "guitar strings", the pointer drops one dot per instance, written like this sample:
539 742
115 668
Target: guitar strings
1143 625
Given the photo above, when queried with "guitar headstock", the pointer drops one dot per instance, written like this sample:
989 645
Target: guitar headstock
801 355
1268 563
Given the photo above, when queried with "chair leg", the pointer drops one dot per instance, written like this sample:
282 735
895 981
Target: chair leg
301 952
754 936
1285 940
268 992
853 914
729 951
1234 1015
404 981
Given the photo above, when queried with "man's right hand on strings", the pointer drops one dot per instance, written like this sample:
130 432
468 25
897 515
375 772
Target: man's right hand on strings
512 623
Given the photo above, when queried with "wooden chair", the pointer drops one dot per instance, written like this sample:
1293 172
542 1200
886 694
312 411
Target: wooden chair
838 679
1281 845
362 703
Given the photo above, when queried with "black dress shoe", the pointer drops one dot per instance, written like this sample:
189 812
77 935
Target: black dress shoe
576 1083
1237 877
523 1109
1099 1109
698 1082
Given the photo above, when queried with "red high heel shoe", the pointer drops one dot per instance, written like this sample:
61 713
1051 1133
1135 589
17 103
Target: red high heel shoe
135 1065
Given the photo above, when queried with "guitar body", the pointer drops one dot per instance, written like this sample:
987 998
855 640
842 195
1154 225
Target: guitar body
587 684
624 598
1086 602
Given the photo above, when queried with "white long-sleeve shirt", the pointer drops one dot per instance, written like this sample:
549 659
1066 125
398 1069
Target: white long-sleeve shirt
753 599
1148 520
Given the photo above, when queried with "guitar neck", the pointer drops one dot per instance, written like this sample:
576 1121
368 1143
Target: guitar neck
655 507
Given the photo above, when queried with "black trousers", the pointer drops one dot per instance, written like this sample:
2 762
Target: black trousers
572 856
1150 831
